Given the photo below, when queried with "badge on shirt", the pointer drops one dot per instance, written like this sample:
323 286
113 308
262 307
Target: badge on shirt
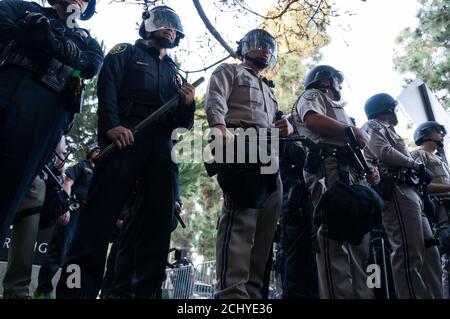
119 48
82 33
310 95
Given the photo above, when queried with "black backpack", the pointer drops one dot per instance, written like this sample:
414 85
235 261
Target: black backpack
350 212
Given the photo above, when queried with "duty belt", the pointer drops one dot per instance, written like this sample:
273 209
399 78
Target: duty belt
339 152
442 201
401 176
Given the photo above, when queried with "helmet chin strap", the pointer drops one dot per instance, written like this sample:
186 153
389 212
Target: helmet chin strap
336 93
394 119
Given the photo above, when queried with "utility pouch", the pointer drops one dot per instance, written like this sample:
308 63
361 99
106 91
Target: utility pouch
386 187
57 75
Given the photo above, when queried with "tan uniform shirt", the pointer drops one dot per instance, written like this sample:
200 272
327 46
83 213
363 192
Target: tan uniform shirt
441 175
237 97
386 146
316 101
440 169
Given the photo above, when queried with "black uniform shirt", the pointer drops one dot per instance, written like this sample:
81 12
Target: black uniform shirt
133 82
88 58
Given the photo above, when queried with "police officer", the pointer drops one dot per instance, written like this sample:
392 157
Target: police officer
414 259
119 283
238 96
134 81
321 118
429 136
17 279
42 57
76 182
298 233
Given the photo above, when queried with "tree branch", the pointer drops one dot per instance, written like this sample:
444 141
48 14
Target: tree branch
279 15
212 30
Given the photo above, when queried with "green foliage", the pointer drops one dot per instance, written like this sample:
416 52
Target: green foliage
423 52
289 81
201 198
84 130
299 40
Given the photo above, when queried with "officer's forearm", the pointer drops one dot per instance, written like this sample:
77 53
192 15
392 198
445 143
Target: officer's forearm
435 188
324 125
67 186
390 156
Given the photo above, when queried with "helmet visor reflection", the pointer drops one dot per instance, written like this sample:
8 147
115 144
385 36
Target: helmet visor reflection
163 19
260 41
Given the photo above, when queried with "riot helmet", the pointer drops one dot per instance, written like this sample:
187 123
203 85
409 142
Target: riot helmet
161 18
381 103
86 15
350 211
424 130
322 72
258 39
90 10
322 77
91 149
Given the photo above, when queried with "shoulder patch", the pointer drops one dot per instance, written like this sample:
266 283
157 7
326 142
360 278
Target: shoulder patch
220 68
374 125
310 95
119 48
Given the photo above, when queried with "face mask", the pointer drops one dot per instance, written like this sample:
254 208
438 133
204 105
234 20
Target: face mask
163 42
439 144
337 95
258 62
394 119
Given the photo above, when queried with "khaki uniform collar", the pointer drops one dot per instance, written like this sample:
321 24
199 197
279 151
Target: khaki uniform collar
385 124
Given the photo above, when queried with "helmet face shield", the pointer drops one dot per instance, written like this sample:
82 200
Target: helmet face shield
393 107
339 77
323 72
440 129
162 19
262 41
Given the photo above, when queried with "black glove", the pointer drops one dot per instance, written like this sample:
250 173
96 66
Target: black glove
36 31
444 240
42 35
34 21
